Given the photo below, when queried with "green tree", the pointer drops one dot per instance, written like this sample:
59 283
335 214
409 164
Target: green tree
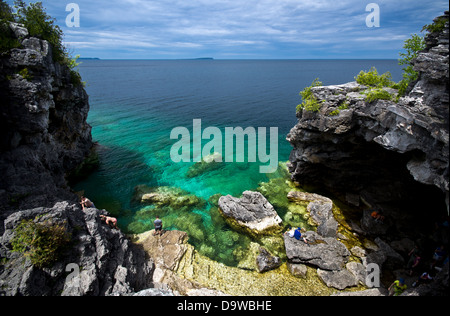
412 46
41 25
7 41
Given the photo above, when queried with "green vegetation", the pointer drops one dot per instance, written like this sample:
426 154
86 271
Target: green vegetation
310 103
39 24
373 79
412 46
376 83
378 94
7 41
25 74
42 243
437 26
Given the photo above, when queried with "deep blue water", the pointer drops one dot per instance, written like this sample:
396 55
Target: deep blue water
136 103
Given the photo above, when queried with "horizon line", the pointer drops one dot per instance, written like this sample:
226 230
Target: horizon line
213 59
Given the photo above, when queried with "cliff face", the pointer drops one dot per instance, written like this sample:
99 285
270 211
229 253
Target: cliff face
45 136
391 155
42 122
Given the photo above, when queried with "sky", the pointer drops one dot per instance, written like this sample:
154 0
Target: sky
242 29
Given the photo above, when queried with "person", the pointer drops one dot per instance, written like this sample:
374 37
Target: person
397 287
110 221
297 234
424 278
158 226
414 260
438 256
86 203
377 216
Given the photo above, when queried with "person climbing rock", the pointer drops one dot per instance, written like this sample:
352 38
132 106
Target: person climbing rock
397 288
110 221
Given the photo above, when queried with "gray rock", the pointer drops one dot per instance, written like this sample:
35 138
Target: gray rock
266 262
324 252
251 213
383 152
338 279
104 258
297 269
320 209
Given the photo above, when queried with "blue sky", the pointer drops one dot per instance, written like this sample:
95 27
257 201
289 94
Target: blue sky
241 29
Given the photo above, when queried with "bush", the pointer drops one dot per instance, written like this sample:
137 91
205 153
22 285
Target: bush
42 243
437 26
378 94
412 46
373 79
7 41
310 103
40 24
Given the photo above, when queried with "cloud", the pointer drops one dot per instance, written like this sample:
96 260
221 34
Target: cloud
268 28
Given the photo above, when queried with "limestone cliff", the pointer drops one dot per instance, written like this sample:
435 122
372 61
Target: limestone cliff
393 156
45 137
42 122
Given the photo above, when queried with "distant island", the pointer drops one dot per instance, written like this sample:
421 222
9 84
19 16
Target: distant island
88 58
203 58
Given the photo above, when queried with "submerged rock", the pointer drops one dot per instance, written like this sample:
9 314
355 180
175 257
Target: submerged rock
166 196
252 213
209 163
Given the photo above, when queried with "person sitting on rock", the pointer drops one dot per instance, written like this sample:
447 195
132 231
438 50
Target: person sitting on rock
297 234
110 221
86 203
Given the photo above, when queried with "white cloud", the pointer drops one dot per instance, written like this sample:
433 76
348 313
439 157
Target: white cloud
218 25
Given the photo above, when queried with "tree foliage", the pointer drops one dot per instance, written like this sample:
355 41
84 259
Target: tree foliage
41 25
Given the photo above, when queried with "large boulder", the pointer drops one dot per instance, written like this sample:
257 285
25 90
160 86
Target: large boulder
321 210
101 260
325 253
252 214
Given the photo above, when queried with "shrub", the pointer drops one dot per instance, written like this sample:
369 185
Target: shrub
7 41
310 103
412 46
378 94
40 24
373 79
437 26
42 243
25 74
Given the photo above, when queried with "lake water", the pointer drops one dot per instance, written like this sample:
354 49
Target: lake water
135 104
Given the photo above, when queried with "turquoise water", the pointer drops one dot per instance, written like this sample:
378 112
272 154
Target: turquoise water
136 104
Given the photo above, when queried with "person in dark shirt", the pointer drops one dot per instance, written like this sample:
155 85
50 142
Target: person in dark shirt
158 226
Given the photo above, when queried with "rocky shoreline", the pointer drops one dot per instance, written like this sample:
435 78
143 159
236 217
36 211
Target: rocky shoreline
381 154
